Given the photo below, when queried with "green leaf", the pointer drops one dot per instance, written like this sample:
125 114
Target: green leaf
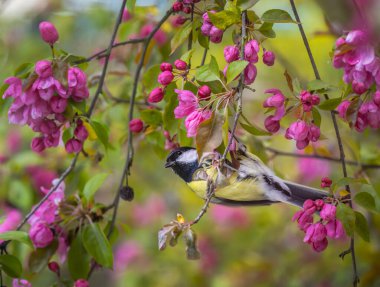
39 258
150 76
97 245
234 69
361 226
246 4
11 265
67 134
209 134
316 117
93 185
24 70
330 104
277 16
267 30
101 132
365 200
131 5
151 117
225 18
181 35
208 73
347 216
317 85
78 259
254 130
19 236
171 99
347 181
185 57
203 40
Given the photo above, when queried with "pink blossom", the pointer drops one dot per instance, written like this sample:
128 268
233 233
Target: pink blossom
77 83
48 32
58 105
126 15
136 125
303 219
178 21
342 108
21 283
326 182
268 58
251 50
319 246
81 283
271 124
250 73
54 267
156 95
73 145
188 103
335 229
81 132
216 35
194 120
41 235
314 133
315 233
63 247
43 69
376 98
166 67
15 88
165 78
160 36
298 131
177 6
328 212
231 53
206 28
38 144
309 206
276 101
18 113
40 176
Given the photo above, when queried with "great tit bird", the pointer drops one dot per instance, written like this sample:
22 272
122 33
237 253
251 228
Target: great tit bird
246 182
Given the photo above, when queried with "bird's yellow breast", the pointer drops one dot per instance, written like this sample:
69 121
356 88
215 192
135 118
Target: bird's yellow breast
247 190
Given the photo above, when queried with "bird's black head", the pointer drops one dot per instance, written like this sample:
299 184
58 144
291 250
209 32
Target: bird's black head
183 161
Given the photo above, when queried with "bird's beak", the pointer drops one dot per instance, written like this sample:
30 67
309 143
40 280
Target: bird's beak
169 164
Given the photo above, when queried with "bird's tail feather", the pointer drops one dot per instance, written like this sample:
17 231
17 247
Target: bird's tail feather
300 193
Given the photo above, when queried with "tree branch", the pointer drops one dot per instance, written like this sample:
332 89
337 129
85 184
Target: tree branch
337 132
210 194
240 86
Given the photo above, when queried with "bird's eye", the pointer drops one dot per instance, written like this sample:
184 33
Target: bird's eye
178 153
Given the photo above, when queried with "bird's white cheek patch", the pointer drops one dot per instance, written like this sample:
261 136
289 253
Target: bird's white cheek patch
188 156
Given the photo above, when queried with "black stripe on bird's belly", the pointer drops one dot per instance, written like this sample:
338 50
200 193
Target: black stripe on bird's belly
269 180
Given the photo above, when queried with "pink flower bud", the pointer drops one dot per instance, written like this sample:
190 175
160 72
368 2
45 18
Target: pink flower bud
204 92
309 206
272 125
165 78
41 235
48 32
43 69
326 182
328 212
54 267
315 100
251 50
180 65
231 53
314 133
166 67
73 145
156 95
136 125
276 101
297 130
268 58
342 108
179 20
250 73
58 104
206 18
315 232
126 15
177 6
301 144
186 9
194 120
359 87
37 144
319 203
206 28
304 219
81 283
376 98
335 229
319 246
216 35
81 133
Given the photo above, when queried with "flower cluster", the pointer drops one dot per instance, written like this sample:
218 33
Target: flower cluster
328 226
184 6
208 29
251 51
41 100
189 107
42 222
355 54
303 131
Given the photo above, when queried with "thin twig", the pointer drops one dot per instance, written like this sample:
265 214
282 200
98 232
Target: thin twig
336 128
107 58
321 157
190 41
103 53
240 86
204 57
210 194
130 152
